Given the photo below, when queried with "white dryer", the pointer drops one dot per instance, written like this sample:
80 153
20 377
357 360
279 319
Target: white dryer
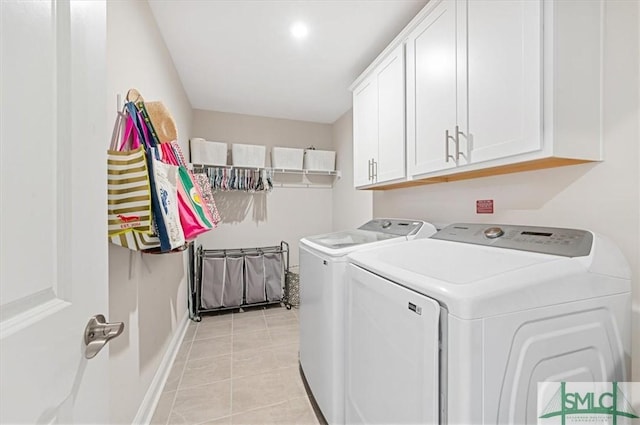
323 266
460 328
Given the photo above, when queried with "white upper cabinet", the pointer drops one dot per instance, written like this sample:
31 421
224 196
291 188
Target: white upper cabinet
500 107
474 83
365 131
492 87
379 123
431 91
390 163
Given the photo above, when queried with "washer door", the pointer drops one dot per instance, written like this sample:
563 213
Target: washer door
392 371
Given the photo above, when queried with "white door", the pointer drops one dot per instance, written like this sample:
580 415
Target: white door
431 90
365 130
504 77
53 250
390 162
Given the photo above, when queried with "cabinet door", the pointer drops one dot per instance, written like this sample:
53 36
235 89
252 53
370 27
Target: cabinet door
503 71
390 158
365 130
431 90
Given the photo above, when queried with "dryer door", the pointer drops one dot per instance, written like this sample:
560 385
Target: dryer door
392 369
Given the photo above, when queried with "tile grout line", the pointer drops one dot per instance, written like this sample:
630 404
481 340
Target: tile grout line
231 373
193 387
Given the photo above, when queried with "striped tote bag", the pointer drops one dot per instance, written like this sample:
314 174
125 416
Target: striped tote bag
128 190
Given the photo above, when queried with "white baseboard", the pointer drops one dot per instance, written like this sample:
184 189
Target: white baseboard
149 403
635 343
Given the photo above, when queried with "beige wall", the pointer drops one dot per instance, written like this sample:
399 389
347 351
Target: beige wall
259 219
147 293
636 312
603 197
351 208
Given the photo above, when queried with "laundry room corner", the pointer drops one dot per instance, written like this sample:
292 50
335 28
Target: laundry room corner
351 207
294 208
146 292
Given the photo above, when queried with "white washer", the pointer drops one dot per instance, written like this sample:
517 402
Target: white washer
461 327
323 267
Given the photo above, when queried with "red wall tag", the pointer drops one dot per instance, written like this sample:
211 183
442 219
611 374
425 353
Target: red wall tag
484 206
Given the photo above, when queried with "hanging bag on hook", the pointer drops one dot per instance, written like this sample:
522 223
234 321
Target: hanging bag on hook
203 185
167 232
164 186
128 186
193 215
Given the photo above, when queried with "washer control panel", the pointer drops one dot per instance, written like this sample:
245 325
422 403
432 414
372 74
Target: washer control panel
393 226
546 240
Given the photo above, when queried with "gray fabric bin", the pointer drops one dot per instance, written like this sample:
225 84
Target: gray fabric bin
213 274
254 278
274 272
233 283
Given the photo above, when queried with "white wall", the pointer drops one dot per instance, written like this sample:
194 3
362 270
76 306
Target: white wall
603 197
351 208
636 307
151 299
264 219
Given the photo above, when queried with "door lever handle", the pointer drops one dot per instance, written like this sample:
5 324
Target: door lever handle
98 332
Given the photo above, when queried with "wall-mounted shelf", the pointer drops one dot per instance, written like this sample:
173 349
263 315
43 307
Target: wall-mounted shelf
307 178
287 176
335 173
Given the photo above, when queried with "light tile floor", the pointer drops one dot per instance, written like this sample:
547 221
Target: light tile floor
238 368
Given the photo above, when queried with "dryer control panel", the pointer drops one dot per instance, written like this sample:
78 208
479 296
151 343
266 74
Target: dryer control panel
393 226
546 240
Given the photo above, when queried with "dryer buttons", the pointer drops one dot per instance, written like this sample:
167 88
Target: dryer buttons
493 232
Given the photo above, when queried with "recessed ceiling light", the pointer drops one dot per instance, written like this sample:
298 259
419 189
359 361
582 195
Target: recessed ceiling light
299 30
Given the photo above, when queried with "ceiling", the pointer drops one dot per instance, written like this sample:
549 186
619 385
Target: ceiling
239 56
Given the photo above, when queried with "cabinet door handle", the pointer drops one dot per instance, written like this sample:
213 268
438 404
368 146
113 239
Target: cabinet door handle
446 144
369 170
458 153
457 139
375 169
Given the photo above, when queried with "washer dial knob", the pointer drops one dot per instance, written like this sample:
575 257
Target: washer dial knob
493 232
386 224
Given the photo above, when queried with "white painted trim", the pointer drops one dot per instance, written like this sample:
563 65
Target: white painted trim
150 402
36 314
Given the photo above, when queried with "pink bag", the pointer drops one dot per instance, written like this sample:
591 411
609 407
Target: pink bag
194 218
203 184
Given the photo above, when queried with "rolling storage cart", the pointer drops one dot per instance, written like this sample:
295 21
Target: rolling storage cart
226 279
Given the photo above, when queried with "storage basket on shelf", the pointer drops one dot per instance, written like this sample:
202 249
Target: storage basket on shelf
206 152
287 158
317 160
248 156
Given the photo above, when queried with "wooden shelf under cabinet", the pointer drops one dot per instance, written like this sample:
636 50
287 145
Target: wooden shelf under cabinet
536 164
